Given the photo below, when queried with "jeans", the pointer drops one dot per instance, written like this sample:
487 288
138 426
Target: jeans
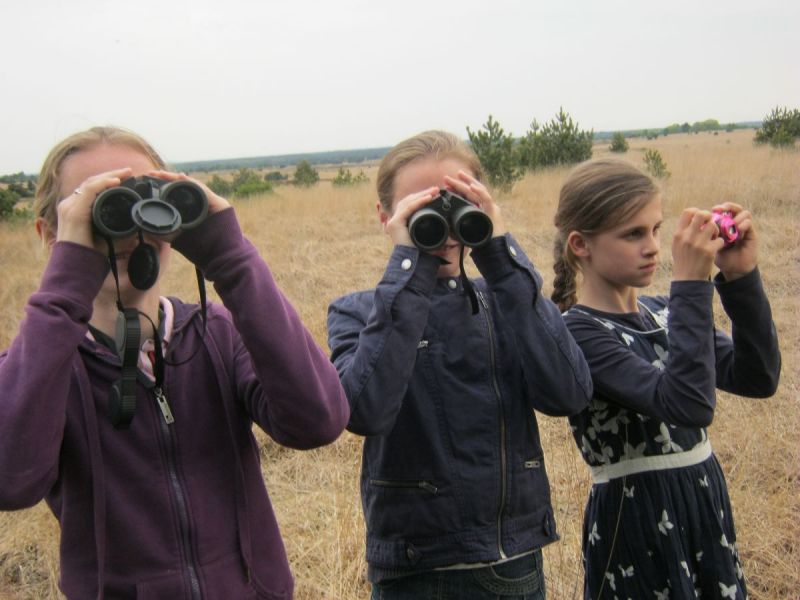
518 579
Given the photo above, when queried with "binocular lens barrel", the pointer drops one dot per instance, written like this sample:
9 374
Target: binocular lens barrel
430 226
151 205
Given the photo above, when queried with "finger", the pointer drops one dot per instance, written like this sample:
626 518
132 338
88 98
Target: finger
728 206
686 218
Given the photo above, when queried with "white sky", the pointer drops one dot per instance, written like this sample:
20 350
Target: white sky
208 79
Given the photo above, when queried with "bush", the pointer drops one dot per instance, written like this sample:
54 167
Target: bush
559 142
305 175
220 186
655 164
8 201
780 128
618 143
276 177
497 153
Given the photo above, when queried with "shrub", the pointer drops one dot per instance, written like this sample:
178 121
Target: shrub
655 164
8 200
780 128
618 143
345 177
220 186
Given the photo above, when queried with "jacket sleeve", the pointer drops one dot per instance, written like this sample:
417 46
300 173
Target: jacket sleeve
556 375
36 373
284 378
678 389
750 363
374 338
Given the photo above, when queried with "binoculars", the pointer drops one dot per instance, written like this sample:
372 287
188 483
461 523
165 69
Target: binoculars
726 225
449 213
149 204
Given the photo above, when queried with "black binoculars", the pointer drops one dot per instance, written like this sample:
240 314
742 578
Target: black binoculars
149 204
431 225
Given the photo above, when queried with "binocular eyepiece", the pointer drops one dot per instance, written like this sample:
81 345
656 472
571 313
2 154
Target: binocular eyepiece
149 204
431 225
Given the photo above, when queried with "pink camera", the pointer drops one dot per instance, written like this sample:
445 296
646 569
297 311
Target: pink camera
727 226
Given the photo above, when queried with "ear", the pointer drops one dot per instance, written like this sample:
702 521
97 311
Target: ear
383 216
578 245
45 233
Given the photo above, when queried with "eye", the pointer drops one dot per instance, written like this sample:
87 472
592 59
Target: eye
634 234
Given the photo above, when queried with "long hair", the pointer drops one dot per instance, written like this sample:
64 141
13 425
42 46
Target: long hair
434 144
48 188
596 195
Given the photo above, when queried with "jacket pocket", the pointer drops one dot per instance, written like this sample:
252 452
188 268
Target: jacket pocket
409 508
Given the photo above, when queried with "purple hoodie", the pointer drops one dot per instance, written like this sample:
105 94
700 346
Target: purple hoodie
174 510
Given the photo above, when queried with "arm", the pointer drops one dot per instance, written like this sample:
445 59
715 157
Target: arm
374 345
556 374
750 364
682 393
36 373
286 381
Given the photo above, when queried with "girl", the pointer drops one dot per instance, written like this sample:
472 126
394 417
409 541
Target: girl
174 506
658 523
453 482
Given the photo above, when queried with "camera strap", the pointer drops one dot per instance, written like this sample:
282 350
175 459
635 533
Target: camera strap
473 298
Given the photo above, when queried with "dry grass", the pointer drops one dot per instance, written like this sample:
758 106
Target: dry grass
325 242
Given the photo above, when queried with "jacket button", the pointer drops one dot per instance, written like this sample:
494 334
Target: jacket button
452 284
513 251
412 554
406 264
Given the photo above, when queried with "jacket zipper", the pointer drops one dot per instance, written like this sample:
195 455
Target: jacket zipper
501 416
178 491
423 485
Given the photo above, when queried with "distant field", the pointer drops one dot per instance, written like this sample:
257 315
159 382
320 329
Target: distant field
323 242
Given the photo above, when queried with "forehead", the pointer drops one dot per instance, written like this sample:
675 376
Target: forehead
101 158
424 173
648 215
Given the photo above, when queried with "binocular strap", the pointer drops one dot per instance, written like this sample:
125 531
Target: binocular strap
473 297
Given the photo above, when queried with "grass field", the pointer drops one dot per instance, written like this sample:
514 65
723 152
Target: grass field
323 242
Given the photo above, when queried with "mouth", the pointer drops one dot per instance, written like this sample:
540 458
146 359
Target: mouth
649 267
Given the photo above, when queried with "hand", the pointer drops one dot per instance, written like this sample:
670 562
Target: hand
215 203
467 186
742 257
396 224
694 245
75 211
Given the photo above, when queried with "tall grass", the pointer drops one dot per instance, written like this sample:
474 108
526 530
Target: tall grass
325 242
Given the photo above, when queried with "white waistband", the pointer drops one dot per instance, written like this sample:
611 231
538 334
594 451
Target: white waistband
696 455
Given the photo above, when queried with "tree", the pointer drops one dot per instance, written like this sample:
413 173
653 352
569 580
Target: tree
497 154
558 142
247 182
780 128
276 177
619 143
8 200
305 175
655 164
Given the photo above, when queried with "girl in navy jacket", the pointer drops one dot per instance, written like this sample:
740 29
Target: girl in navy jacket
453 481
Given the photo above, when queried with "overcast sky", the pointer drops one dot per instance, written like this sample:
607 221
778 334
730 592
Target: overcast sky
208 79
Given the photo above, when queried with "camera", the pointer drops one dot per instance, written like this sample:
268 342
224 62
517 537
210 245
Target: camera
431 225
726 225
149 204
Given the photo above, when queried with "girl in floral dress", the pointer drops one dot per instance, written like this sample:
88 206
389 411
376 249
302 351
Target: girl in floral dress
658 522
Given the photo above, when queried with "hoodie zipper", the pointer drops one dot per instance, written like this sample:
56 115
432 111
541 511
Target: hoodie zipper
502 421
178 491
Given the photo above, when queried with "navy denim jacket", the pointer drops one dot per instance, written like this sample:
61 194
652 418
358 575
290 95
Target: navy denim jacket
453 470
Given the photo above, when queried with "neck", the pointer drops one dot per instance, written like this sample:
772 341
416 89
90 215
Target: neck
612 300
105 313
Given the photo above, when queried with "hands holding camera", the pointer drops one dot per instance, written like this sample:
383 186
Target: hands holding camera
723 236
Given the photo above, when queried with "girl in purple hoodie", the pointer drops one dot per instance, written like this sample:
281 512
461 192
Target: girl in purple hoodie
145 453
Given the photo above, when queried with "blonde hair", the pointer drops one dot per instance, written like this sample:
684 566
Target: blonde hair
435 144
596 195
49 183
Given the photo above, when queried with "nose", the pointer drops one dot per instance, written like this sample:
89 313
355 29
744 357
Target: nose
653 245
